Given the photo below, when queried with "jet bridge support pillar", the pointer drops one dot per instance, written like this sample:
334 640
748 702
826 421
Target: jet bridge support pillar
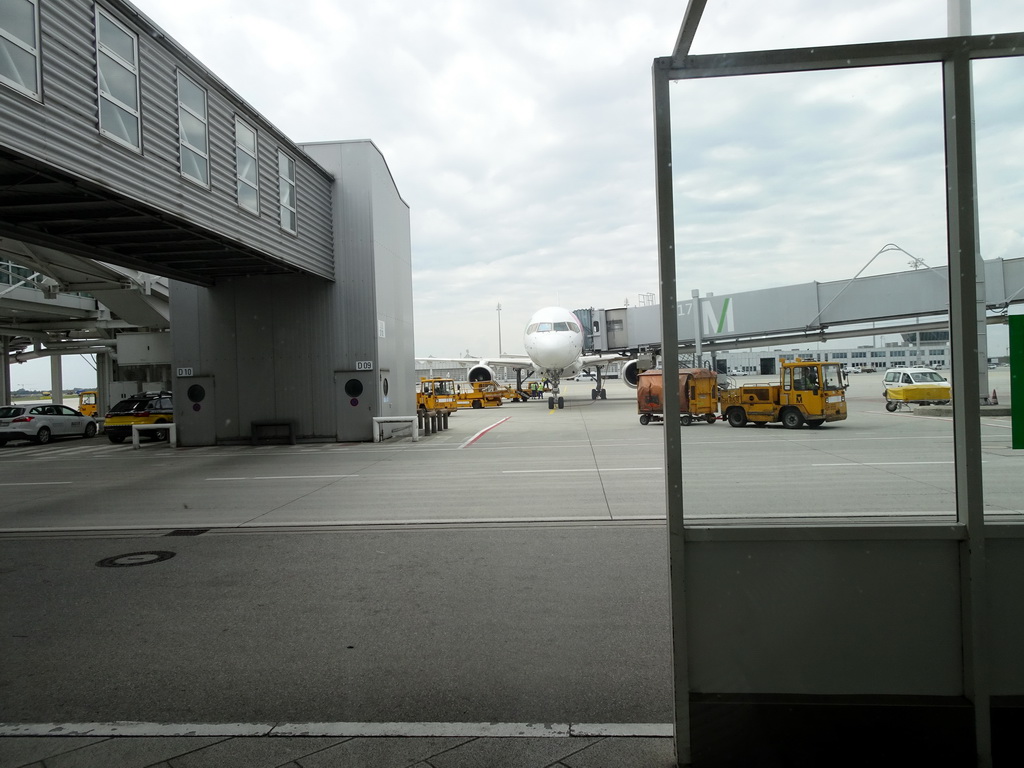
5 372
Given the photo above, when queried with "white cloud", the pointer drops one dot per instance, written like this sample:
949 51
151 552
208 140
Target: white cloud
521 136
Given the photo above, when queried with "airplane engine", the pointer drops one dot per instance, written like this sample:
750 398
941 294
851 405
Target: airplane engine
630 374
481 372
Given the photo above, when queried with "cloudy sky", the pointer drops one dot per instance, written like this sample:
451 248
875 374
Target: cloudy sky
521 136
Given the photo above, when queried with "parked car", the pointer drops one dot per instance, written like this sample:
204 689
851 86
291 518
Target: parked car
42 423
143 408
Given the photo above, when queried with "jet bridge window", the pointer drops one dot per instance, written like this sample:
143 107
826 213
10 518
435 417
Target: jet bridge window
19 46
117 63
286 191
193 131
246 166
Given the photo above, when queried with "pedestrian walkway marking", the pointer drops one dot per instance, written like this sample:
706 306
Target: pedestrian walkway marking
351 730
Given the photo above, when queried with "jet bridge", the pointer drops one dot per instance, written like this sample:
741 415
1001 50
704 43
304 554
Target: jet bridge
807 312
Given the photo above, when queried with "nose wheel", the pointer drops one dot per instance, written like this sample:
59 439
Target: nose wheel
553 401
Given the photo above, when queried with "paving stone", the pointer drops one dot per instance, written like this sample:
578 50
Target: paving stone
625 752
18 751
254 752
128 752
381 752
510 753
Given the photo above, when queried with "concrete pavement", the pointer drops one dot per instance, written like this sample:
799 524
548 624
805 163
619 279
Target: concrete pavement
448 587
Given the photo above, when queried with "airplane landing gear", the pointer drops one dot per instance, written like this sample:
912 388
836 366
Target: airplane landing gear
555 398
598 394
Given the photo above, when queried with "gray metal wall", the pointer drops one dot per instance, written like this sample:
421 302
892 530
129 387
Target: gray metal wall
63 130
374 270
283 347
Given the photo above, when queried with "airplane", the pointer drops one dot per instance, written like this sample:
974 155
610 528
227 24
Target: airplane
554 343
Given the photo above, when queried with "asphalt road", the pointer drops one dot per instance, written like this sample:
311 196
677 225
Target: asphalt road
509 569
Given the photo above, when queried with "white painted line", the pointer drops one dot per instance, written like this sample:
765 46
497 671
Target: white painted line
302 477
880 463
282 477
353 730
621 729
128 728
53 482
592 469
424 730
483 432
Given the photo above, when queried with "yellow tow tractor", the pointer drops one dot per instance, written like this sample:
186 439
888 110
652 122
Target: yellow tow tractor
808 392
437 395
481 394
87 402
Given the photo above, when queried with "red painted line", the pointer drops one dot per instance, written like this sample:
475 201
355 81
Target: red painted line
483 432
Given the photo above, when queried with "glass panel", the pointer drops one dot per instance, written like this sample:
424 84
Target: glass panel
192 96
18 66
18 19
246 166
117 40
193 131
729 26
248 197
194 165
119 122
118 81
285 167
287 220
814 200
287 195
999 146
245 137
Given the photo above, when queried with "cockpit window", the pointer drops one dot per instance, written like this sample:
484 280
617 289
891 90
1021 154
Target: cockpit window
546 327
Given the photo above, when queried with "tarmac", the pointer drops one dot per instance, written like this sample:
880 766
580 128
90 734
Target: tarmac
494 594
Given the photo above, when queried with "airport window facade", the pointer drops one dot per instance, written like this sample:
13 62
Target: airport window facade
117 69
193 130
286 191
19 46
246 166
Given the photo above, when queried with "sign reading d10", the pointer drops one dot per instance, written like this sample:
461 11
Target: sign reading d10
364 365
182 372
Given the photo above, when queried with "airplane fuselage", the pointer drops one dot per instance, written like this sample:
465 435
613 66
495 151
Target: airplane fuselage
554 341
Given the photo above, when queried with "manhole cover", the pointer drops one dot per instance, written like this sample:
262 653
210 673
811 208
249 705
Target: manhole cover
134 558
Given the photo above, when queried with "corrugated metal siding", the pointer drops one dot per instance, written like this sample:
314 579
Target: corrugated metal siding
63 131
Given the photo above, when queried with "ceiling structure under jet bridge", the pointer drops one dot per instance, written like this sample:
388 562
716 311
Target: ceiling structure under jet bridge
911 301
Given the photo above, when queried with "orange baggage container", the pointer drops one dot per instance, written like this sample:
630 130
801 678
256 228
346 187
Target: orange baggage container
698 396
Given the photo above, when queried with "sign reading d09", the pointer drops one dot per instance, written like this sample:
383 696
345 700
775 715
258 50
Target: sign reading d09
364 365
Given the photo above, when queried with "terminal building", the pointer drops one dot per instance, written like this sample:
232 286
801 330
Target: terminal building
287 267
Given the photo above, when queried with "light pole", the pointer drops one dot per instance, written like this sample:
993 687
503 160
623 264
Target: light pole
499 329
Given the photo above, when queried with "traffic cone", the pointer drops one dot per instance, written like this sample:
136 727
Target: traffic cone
995 398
